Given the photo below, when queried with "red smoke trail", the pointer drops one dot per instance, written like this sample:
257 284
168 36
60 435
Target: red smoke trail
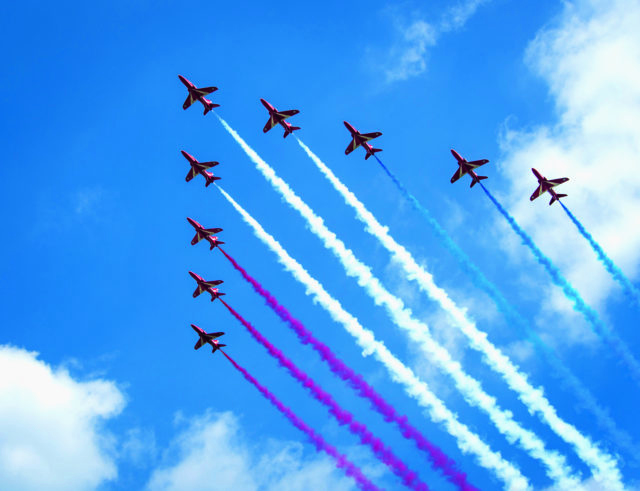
319 442
440 461
343 417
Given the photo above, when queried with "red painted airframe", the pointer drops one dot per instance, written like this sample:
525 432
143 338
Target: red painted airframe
278 117
465 167
205 233
206 286
200 168
358 139
545 184
198 94
207 338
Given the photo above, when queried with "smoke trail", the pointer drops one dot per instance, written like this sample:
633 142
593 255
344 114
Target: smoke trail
555 464
467 441
319 442
439 460
562 372
603 466
631 291
570 292
384 454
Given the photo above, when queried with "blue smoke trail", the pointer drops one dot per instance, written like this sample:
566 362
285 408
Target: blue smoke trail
571 293
614 270
587 400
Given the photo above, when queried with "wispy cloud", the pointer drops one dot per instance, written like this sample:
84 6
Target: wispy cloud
408 56
238 463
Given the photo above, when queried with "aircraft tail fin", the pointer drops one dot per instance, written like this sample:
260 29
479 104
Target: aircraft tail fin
216 244
479 178
208 107
556 198
211 179
290 130
373 150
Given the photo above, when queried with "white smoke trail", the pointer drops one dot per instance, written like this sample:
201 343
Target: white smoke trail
555 464
603 466
467 441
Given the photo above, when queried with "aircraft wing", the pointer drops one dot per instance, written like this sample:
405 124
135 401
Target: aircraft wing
205 165
199 344
459 173
353 144
190 100
214 283
288 114
537 192
196 238
206 90
192 173
555 182
370 136
197 292
477 163
270 124
213 230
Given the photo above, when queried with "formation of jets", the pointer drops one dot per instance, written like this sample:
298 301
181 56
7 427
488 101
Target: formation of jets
357 139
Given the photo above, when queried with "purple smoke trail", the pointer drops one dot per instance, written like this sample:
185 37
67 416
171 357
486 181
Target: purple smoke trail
384 454
439 460
319 442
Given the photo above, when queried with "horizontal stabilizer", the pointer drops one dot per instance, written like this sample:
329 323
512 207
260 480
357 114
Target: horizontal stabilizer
556 197
373 150
479 178
290 130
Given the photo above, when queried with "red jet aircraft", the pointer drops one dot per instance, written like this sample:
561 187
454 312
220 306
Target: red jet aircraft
200 168
278 117
465 167
358 139
205 233
207 337
196 94
545 184
206 286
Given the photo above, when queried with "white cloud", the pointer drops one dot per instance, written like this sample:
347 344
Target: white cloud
51 434
212 453
590 58
408 57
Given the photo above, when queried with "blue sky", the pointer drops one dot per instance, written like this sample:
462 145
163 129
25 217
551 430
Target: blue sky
96 246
